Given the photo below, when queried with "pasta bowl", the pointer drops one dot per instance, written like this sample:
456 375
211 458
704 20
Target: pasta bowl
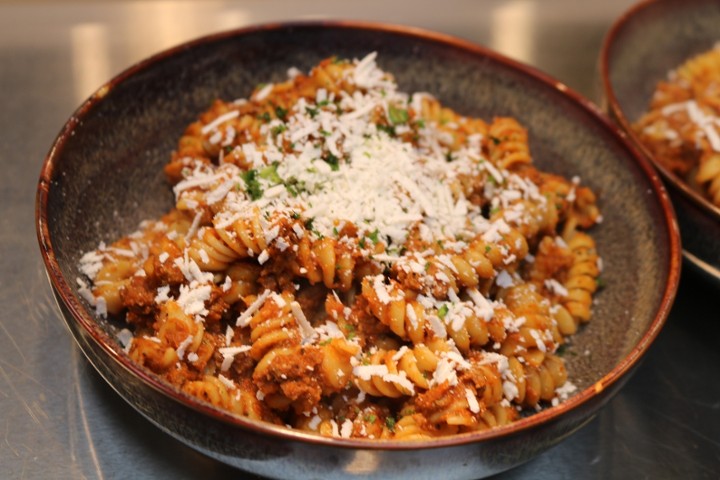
103 176
641 48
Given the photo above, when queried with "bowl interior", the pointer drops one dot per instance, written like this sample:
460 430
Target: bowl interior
105 172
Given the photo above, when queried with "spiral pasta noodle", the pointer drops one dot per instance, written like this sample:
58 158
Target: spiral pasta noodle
349 260
508 144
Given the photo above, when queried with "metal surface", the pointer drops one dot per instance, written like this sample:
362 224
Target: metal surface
61 420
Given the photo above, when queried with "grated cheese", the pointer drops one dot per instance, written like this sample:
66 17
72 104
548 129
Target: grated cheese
306 330
472 401
182 346
219 121
244 319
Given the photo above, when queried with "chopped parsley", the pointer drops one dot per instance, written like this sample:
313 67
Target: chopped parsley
270 173
281 112
312 111
397 115
349 328
374 236
389 129
333 161
265 117
278 129
294 186
443 311
252 186
390 422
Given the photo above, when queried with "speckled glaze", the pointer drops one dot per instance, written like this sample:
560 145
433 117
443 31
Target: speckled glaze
103 176
642 46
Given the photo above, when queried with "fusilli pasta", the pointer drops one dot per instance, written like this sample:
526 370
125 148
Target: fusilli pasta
350 260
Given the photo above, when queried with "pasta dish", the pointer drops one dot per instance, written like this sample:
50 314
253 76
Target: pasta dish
348 259
682 126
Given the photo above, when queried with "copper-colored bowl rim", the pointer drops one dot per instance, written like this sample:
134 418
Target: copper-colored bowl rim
681 185
90 325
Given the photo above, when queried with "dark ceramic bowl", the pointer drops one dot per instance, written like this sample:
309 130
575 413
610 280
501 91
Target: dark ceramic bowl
643 45
104 175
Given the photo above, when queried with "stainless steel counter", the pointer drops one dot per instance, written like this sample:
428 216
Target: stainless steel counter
59 419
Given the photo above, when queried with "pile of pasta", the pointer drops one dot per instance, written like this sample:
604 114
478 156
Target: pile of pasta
682 126
347 259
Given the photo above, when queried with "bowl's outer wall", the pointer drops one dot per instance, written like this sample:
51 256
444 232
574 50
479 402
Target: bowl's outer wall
651 40
106 176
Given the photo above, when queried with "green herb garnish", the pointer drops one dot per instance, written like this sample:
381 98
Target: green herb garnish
281 112
390 130
252 186
374 236
270 173
278 129
294 186
397 115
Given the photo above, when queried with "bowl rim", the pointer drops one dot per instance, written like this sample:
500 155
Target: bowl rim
615 109
90 326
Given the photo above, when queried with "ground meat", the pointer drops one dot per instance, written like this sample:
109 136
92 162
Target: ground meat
139 299
166 272
217 307
311 298
369 330
295 377
275 275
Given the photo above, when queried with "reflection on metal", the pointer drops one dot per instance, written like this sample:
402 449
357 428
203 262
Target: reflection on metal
231 19
88 440
512 29
363 462
90 58
170 22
